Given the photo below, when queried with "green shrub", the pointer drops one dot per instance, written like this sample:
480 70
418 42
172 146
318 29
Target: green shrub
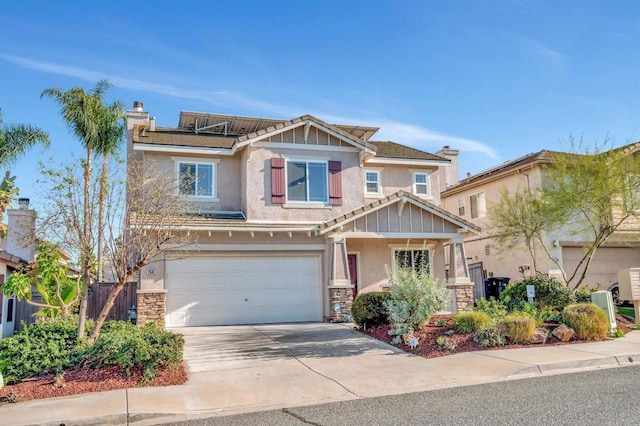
414 298
583 294
538 315
471 322
517 328
128 346
492 307
589 321
368 309
489 337
550 293
41 348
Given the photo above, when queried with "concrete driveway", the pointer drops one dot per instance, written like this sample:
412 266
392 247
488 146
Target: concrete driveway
234 369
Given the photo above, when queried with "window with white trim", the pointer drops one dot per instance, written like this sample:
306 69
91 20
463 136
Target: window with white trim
197 179
416 259
478 205
461 206
307 181
421 184
372 182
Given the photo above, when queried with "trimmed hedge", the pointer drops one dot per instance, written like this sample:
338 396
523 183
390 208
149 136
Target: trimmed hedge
369 310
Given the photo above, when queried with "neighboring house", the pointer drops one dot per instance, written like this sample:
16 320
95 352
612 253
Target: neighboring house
472 196
16 251
294 218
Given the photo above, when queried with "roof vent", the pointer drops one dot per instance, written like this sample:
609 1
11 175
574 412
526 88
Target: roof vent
152 124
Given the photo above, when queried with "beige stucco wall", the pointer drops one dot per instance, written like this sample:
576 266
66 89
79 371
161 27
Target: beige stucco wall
259 206
394 178
227 179
605 264
500 262
376 254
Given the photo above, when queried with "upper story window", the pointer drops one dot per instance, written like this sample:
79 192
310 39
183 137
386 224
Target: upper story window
421 184
307 181
478 205
197 179
372 182
461 206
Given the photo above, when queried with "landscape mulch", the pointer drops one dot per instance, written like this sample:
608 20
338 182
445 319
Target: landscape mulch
429 334
84 381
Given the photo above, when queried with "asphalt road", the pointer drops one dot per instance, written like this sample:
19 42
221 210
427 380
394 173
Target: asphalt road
601 397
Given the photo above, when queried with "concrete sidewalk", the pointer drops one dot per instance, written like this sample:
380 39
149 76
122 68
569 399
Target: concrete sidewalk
286 367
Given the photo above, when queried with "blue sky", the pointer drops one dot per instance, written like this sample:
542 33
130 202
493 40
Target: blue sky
495 79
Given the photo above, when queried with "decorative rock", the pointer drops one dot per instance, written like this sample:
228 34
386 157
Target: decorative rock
563 333
539 336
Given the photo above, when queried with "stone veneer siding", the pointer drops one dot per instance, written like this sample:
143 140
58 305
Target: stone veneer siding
151 308
464 296
342 296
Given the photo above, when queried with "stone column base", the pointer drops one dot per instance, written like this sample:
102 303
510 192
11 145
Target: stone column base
151 307
340 301
464 296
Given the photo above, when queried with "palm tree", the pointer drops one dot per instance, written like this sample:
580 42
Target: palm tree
15 141
112 130
84 113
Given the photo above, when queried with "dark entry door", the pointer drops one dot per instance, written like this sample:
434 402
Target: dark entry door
353 272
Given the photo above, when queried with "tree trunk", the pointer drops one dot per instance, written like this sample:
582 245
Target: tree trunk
101 201
86 247
95 332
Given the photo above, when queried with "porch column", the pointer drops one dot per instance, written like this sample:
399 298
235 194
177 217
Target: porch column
340 288
459 280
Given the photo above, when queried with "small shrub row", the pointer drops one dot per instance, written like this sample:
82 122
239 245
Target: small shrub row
128 346
45 348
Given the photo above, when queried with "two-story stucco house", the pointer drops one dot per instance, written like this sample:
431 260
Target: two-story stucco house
471 199
294 218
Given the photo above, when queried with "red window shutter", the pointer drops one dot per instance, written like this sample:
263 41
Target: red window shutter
335 183
278 194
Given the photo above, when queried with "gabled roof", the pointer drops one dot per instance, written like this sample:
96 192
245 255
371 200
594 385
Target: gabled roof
391 199
526 161
224 134
389 149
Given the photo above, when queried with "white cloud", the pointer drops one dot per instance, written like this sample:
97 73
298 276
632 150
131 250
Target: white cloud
409 134
545 54
218 98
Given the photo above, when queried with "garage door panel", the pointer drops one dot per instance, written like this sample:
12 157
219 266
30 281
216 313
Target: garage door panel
243 290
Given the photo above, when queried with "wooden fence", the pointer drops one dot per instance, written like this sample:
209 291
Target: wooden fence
98 294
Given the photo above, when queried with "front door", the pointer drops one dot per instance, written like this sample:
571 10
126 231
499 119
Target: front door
353 272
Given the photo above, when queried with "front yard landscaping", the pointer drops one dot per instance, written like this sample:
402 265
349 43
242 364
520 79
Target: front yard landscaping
405 317
47 360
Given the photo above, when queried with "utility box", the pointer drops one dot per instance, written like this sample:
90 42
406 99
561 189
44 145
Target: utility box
604 300
629 284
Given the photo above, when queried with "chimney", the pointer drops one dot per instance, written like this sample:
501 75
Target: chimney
450 175
152 124
135 116
21 231
23 203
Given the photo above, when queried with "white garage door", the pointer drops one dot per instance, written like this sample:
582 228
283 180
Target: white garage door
225 290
